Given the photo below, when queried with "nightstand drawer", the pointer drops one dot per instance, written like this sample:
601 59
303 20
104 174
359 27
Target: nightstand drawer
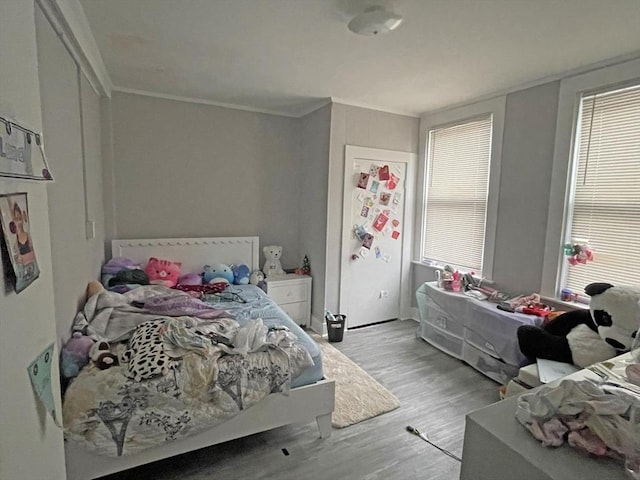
288 293
297 311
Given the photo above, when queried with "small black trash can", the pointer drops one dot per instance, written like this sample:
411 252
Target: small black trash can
335 327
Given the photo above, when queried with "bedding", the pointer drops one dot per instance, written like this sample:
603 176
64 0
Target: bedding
191 365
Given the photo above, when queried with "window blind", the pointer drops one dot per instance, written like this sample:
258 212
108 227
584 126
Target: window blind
605 208
457 188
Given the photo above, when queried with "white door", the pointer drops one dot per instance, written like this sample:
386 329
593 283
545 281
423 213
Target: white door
374 267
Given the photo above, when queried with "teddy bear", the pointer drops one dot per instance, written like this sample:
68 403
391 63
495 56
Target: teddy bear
272 266
587 336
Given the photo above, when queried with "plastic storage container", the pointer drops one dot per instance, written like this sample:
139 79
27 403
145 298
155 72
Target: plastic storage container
335 327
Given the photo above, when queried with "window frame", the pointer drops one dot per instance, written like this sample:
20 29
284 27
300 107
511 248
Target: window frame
561 192
496 108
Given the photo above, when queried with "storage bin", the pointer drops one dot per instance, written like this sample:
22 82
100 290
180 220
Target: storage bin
448 343
493 368
480 343
432 313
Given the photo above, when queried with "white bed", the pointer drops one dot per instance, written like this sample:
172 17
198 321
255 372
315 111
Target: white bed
303 404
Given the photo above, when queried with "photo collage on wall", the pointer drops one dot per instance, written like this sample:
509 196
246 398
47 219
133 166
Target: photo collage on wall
378 208
15 222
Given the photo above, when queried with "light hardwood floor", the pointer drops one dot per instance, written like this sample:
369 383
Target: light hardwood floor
435 392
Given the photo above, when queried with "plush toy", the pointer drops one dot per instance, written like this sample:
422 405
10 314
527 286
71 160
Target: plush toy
102 356
75 354
163 272
272 266
257 279
584 337
217 273
241 274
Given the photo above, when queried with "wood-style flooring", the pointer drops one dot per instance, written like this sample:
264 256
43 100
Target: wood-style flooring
435 392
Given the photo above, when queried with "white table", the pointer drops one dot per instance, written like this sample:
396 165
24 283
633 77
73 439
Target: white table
498 447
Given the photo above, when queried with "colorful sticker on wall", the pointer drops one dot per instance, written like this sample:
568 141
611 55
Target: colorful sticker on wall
369 202
360 196
380 222
378 252
392 183
395 234
40 376
384 198
386 257
383 173
373 170
363 180
397 197
395 222
364 252
364 212
374 186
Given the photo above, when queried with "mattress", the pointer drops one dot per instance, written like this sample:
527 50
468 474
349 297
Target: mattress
259 305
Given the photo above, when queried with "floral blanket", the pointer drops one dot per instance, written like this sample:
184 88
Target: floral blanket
110 413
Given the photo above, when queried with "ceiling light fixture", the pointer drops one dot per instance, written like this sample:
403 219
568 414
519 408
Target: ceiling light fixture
375 21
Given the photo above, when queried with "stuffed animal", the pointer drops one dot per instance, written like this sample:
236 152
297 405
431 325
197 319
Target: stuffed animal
584 337
241 274
217 273
257 279
163 272
272 266
75 354
102 356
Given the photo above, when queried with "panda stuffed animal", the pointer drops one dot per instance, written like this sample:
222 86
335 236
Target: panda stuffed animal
584 337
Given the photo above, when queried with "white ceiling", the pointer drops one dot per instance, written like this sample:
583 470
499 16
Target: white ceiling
287 56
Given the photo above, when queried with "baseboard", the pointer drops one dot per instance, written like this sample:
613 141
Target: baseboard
318 325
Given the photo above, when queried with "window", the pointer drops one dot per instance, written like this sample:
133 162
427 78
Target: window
461 150
457 178
604 201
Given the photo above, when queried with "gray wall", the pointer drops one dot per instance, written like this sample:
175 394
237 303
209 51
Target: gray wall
314 179
525 186
76 259
191 170
32 446
364 128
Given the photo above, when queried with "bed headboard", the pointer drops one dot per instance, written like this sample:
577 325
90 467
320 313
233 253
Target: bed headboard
194 253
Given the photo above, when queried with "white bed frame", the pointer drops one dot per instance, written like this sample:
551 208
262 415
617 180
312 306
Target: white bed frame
303 405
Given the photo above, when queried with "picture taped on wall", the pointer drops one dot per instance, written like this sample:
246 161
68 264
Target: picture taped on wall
16 223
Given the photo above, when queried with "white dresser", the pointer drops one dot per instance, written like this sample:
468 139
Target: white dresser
293 294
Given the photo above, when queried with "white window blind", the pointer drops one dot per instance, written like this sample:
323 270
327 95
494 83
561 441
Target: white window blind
606 189
457 188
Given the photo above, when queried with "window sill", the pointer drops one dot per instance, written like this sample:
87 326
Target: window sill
557 301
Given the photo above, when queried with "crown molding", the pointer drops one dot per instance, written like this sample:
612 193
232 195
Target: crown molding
352 103
70 24
299 112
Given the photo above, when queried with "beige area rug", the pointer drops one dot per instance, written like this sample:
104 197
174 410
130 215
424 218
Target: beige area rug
358 395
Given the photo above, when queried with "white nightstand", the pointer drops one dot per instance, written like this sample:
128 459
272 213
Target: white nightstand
293 294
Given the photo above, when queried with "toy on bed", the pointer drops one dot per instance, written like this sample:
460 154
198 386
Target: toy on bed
75 354
163 272
257 279
584 337
217 273
241 274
